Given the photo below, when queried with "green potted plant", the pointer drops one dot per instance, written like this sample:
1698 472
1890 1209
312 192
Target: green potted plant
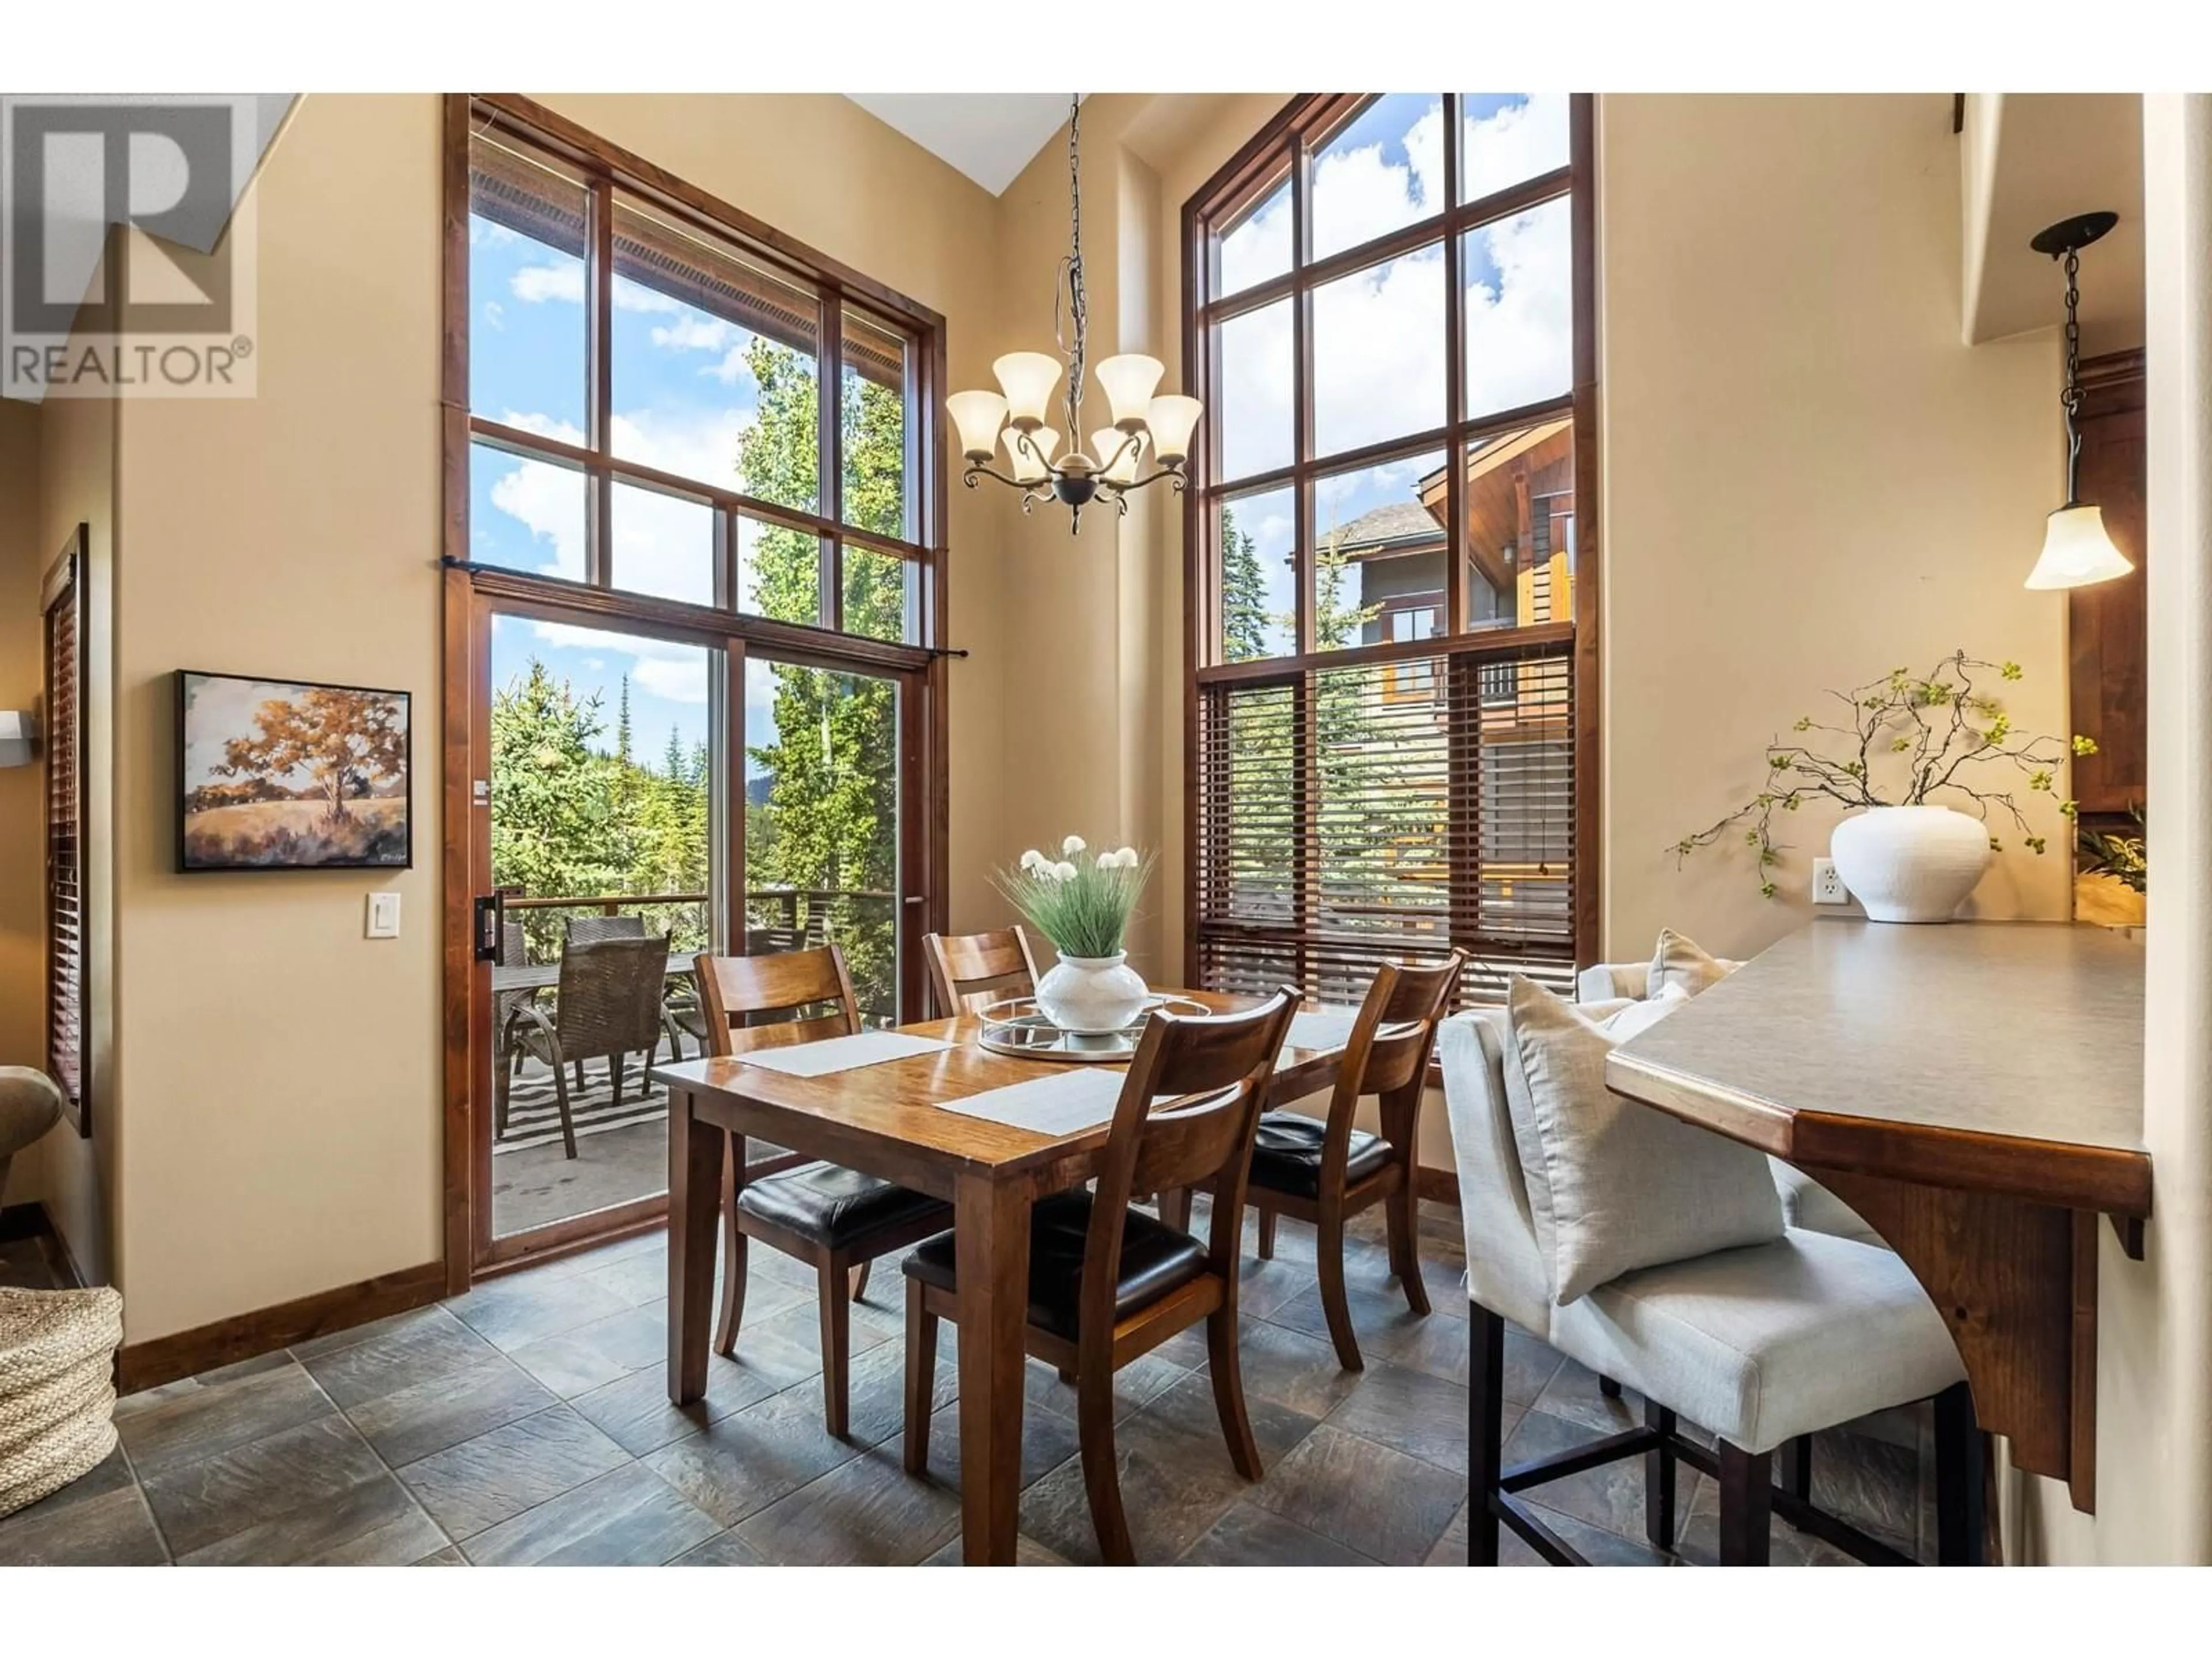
1082 902
1908 746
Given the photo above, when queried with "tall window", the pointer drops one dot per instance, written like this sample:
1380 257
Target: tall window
1391 304
727 440
660 407
66 1029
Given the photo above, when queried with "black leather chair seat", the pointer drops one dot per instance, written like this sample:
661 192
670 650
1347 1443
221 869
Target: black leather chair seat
836 1206
1155 1259
1286 1155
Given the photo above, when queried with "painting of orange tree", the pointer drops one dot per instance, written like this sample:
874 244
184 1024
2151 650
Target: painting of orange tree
279 775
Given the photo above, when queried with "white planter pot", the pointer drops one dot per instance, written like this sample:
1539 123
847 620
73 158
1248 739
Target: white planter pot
1092 994
1910 863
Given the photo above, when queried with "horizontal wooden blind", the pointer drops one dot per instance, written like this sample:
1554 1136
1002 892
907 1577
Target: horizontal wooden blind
1386 810
65 960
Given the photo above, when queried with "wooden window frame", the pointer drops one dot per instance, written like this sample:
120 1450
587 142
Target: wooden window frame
1281 150
62 591
918 663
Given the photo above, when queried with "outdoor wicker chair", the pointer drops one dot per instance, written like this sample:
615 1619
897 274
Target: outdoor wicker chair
609 1007
513 953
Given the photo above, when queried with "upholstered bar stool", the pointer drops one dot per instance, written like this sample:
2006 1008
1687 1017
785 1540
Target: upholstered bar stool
1760 1343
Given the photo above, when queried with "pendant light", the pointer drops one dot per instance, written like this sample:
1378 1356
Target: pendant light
1144 426
2077 550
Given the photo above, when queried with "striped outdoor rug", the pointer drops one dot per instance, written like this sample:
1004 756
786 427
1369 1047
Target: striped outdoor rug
533 1112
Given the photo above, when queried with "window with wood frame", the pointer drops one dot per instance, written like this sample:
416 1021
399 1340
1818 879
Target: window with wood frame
1389 557
662 406
67 1048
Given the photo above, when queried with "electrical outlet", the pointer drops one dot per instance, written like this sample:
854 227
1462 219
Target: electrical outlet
1827 886
383 915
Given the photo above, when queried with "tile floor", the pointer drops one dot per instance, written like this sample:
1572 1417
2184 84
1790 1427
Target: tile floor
526 1422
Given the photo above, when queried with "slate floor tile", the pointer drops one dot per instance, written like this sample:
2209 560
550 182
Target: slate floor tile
197 1504
514 1467
1610 1497
1408 1411
1364 1496
1291 1369
111 1529
636 1414
738 1466
1027 1552
332 1341
204 1421
443 1411
1251 1536
374 1523
627 1517
511 1311
724 1549
423 1350
1174 1485
863 1513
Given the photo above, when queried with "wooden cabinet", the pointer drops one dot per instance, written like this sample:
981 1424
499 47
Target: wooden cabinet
2107 623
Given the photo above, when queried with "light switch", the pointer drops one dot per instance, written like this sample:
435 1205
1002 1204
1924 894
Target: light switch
384 915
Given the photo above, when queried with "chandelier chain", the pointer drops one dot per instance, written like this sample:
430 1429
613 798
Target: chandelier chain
2070 398
1077 299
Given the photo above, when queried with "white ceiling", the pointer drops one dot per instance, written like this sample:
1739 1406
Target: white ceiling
988 135
2058 155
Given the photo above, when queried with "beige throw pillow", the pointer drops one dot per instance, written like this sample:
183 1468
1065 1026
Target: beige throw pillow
1680 964
1614 1185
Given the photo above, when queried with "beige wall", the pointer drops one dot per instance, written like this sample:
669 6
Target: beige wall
75 1178
1807 478
22 845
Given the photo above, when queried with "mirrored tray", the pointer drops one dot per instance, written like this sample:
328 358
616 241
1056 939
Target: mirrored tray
1018 1026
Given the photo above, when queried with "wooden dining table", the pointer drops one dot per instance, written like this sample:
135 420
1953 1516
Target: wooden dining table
889 1120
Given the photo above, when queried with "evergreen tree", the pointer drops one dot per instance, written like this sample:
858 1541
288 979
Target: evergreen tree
1244 594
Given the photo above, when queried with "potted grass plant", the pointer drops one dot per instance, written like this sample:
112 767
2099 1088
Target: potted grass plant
1082 902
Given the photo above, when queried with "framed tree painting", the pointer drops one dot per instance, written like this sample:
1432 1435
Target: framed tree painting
283 774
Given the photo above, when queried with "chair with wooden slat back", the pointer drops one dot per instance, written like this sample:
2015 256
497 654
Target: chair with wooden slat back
838 1219
1327 1172
1109 1283
968 972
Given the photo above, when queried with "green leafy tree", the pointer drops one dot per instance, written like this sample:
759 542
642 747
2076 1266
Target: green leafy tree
831 809
1244 594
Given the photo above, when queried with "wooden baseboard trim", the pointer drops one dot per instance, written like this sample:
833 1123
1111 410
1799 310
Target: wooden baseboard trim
185 1354
1441 1185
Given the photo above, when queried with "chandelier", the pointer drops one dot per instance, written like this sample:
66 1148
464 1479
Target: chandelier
1014 415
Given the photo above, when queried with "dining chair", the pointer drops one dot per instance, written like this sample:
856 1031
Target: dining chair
608 1006
1327 1171
1760 1345
1109 1283
838 1219
968 972
584 930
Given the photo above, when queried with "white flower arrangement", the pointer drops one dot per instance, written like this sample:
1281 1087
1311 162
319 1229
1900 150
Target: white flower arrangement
1083 908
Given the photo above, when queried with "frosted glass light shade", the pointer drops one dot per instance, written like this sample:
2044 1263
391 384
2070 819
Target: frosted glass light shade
1028 455
1122 450
1172 421
2077 550
1027 378
977 414
1129 381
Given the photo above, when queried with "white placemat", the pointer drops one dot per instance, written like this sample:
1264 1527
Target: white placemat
1326 1028
843 1054
1056 1105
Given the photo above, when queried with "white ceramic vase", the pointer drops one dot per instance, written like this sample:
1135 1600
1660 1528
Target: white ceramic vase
1092 995
1910 863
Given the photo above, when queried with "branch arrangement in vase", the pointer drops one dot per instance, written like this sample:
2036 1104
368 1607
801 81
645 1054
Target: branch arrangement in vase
1912 740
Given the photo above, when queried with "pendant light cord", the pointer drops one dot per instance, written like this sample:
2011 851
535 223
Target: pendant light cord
1076 299
2070 398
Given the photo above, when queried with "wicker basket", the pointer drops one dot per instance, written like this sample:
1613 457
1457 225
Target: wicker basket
56 1388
